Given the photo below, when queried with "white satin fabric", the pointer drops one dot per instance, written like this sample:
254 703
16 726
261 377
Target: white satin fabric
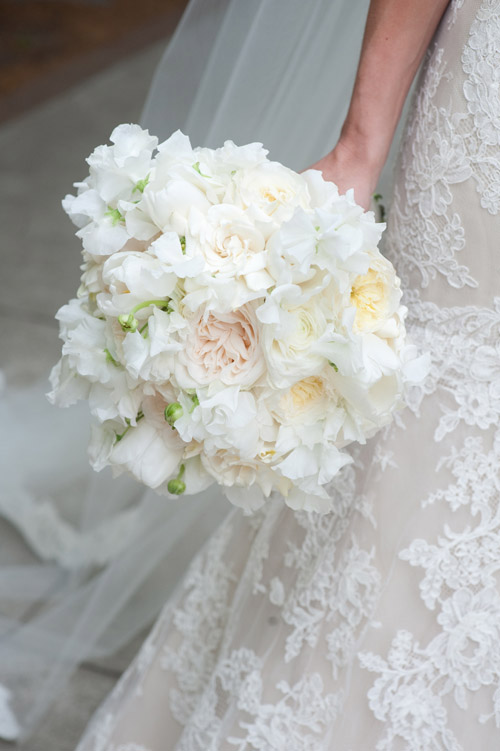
104 555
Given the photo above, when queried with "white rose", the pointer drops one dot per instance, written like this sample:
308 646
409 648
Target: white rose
375 294
273 190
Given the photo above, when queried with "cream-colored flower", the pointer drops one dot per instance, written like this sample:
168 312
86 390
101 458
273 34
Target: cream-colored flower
221 347
273 189
375 295
305 400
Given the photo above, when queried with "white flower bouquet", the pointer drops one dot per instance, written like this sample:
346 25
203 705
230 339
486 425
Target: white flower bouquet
236 322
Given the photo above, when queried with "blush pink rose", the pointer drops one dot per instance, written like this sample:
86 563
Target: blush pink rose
224 347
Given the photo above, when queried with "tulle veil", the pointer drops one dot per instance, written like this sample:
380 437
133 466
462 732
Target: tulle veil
104 555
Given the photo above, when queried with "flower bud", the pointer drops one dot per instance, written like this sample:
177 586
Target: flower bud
128 322
176 486
172 412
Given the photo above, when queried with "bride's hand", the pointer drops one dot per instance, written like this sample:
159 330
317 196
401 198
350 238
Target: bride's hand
347 169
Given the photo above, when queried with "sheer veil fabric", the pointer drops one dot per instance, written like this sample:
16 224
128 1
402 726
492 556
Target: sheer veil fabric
104 555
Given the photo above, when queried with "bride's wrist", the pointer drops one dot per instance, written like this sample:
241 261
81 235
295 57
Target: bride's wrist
370 150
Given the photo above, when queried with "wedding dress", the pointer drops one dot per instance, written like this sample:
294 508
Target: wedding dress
375 626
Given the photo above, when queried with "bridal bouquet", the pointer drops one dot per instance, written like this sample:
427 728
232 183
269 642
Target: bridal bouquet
236 322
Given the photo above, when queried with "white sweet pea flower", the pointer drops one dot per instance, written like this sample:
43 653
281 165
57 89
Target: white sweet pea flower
150 453
150 355
228 421
133 279
86 342
89 368
175 150
323 192
67 386
241 157
179 256
120 170
340 346
103 230
309 470
164 208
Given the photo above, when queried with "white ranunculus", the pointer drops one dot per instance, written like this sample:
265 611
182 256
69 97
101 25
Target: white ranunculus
289 334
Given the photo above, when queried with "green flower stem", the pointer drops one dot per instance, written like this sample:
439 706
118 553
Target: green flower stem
129 322
139 416
110 358
159 303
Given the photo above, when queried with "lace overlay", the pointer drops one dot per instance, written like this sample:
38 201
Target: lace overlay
376 626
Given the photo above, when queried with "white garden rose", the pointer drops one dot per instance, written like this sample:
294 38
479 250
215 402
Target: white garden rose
223 348
272 190
375 295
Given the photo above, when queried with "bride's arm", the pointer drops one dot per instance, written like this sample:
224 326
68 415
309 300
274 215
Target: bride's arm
396 36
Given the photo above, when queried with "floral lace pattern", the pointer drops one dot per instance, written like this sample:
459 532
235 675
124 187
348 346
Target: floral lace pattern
376 626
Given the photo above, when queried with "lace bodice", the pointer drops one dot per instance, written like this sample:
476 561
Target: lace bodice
376 626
